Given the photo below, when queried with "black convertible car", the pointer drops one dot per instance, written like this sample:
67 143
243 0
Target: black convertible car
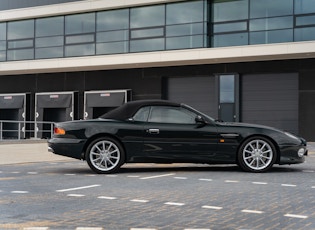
157 131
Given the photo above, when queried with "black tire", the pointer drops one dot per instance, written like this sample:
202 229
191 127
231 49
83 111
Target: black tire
257 154
105 155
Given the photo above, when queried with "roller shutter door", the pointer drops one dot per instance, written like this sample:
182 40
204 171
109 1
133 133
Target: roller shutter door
271 100
198 92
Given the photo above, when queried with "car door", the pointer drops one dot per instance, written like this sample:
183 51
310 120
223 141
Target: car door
172 134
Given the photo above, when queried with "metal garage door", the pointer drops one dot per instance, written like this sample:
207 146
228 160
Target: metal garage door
271 99
198 92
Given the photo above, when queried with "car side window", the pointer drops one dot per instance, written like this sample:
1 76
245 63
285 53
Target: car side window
178 115
142 114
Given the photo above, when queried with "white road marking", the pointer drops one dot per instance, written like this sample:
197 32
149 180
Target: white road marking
76 195
19 192
174 203
139 201
180 178
133 176
202 179
252 211
313 186
69 174
197 229
231 181
212 207
142 228
107 197
262 183
295 216
36 228
288 185
111 175
158 176
78 188
308 171
88 228
32 173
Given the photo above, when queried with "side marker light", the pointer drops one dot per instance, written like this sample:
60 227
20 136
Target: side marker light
59 131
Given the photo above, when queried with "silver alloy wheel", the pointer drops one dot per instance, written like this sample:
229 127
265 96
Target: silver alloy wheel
258 154
105 155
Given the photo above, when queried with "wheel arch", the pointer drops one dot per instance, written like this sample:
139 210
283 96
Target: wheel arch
264 136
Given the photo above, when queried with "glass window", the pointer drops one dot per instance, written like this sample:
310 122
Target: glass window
80 23
3 29
162 114
112 20
275 36
147 33
231 10
271 23
3 55
186 12
3 45
142 114
80 50
112 48
119 35
83 38
305 20
229 27
49 26
20 44
227 86
270 8
20 29
148 16
147 45
20 54
304 34
237 39
49 41
52 52
184 42
185 29
304 6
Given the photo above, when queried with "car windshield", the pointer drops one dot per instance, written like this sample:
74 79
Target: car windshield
198 112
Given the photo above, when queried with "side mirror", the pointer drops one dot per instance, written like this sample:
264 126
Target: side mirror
200 120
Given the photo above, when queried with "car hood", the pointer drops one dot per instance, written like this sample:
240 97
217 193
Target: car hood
247 125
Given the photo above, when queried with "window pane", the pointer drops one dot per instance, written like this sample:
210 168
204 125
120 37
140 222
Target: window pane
276 36
230 40
3 29
113 20
271 23
147 33
186 29
305 21
147 45
147 16
142 114
3 45
186 12
304 34
227 86
49 26
53 52
184 42
20 44
3 55
81 23
21 54
304 6
229 10
120 35
230 27
112 48
171 115
87 38
21 29
80 50
49 41
270 8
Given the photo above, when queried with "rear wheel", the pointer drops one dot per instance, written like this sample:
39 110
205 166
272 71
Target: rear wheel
105 155
257 154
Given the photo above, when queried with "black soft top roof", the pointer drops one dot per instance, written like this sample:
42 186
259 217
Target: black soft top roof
127 110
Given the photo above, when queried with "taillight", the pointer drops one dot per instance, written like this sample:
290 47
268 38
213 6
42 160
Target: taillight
59 131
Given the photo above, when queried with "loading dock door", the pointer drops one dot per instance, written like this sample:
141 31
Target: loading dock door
13 108
53 107
271 99
198 92
97 103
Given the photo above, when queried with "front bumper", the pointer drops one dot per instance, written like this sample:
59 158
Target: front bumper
67 147
293 154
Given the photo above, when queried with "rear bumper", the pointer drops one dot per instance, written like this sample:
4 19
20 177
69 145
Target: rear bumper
67 147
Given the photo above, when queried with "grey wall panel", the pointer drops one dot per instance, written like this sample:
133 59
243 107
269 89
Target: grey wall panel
198 92
271 99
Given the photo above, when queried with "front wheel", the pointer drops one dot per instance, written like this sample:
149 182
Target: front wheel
105 155
257 154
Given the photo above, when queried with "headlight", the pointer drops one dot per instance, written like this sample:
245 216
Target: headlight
301 152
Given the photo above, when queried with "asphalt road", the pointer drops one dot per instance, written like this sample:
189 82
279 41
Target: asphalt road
68 195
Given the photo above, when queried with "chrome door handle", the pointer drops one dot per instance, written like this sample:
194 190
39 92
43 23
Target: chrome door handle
153 131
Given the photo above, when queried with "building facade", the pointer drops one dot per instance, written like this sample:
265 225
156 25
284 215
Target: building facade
235 60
